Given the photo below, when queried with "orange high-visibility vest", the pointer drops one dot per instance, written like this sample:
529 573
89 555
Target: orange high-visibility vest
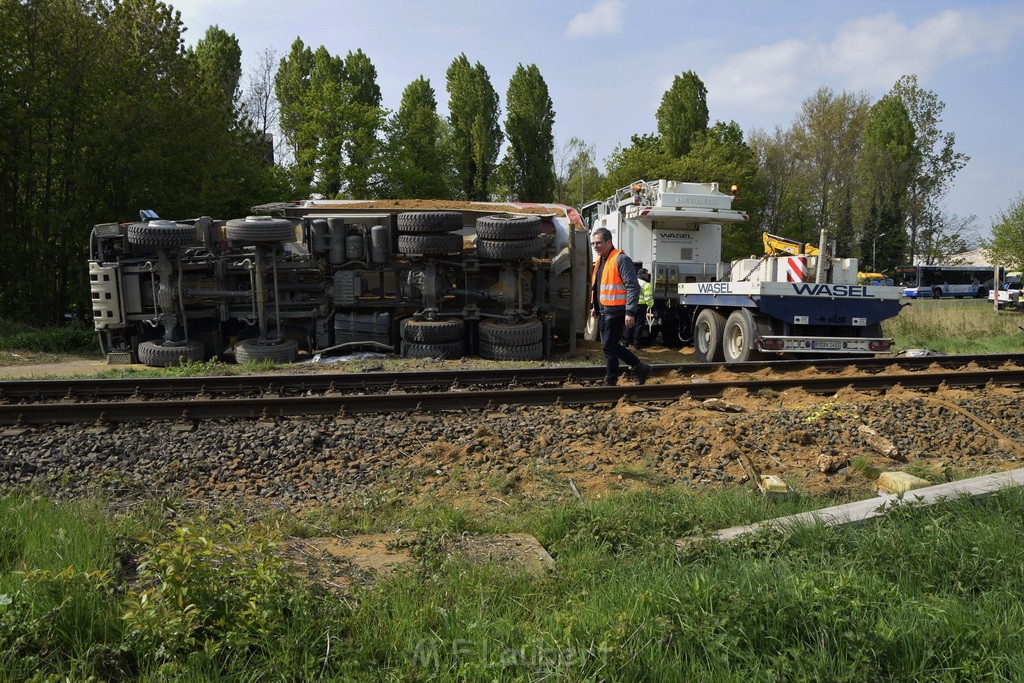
612 290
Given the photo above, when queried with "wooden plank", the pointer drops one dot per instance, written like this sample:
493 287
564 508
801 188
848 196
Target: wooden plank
864 510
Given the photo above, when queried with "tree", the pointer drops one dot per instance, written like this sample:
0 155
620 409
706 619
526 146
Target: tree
683 113
939 162
259 106
528 126
577 177
219 61
291 84
785 207
476 135
415 158
643 159
826 137
1007 244
363 119
885 169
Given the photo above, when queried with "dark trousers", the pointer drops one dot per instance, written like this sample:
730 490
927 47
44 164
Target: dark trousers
633 336
611 334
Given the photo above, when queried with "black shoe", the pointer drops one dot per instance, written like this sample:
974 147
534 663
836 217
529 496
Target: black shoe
642 372
610 381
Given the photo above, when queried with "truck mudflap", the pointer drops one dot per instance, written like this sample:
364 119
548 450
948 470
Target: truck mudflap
829 345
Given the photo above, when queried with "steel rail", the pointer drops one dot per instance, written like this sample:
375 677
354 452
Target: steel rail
341 404
94 389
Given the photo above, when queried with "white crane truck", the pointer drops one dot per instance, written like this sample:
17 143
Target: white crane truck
743 310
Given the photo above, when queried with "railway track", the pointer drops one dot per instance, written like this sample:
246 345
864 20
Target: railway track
35 402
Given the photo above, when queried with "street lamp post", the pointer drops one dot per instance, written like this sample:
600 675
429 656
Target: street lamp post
874 265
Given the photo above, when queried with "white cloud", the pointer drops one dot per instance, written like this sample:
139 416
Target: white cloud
605 18
868 53
764 79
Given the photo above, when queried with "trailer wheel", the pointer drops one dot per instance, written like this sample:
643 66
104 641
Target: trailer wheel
429 331
444 350
508 250
739 343
507 226
496 351
429 222
707 337
260 229
157 355
161 234
250 349
429 245
501 333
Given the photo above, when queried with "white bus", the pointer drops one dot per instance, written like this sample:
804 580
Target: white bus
940 281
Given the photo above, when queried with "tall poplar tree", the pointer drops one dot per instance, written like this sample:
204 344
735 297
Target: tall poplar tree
476 134
683 113
529 123
416 165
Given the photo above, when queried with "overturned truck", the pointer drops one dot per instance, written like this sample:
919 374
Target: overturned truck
503 281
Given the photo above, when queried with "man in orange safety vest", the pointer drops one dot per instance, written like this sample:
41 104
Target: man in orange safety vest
615 296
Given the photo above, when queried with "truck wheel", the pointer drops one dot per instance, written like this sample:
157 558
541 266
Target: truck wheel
157 355
739 338
260 229
429 222
162 234
428 331
251 349
445 350
507 226
707 336
496 351
429 245
508 250
501 333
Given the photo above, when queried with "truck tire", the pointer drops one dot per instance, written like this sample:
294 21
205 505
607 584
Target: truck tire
430 331
508 250
429 245
507 226
501 333
429 222
250 349
495 351
444 350
157 355
253 229
707 336
739 338
162 234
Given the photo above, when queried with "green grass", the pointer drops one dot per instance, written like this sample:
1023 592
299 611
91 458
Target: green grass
956 327
923 594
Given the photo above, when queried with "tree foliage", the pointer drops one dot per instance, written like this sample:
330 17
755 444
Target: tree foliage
1006 247
476 133
415 158
106 113
683 113
577 177
529 125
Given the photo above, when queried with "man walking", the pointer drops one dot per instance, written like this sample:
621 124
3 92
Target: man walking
615 295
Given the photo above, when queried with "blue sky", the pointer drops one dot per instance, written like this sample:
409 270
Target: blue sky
608 62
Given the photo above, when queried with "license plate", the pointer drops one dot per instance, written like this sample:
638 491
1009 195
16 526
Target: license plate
827 344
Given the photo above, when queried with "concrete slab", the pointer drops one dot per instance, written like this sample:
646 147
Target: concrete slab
864 510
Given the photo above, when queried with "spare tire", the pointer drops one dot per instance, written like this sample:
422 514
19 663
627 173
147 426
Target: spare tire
507 226
428 331
445 350
162 234
429 245
508 250
260 229
250 349
494 351
499 332
158 355
429 221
